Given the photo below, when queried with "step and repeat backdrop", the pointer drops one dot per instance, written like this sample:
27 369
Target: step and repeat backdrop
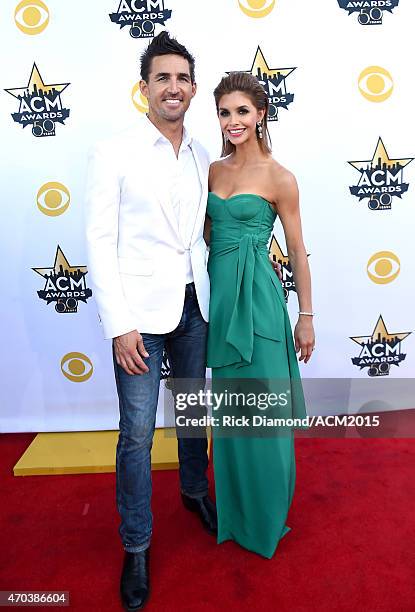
339 79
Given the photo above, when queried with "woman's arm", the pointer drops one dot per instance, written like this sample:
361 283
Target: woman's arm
206 231
288 208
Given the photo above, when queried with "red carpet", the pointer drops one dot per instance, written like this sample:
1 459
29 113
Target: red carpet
351 547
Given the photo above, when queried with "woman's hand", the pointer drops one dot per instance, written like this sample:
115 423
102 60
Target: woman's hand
277 267
304 338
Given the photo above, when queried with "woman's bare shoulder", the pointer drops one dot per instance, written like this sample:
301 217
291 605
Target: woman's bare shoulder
280 176
219 163
217 167
279 171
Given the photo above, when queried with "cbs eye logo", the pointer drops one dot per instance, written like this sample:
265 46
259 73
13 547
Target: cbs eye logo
256 8
76 367
383 267
31 16
139 101
53 199
375 84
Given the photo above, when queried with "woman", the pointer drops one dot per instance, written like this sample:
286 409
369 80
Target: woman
249 332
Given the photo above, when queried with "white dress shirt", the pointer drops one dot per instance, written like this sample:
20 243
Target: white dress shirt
183 185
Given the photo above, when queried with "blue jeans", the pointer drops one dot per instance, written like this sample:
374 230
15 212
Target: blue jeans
138 398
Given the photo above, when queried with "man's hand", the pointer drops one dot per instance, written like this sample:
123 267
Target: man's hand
277 267
129 350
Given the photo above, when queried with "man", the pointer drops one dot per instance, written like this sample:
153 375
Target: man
146 203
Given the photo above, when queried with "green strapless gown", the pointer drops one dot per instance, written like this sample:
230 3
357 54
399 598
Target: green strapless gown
250 337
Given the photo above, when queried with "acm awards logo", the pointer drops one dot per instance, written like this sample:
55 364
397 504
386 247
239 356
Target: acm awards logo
277 255
379 351
31 16
141 15
370 12
40 105
65 285
381 179
256 8
273 80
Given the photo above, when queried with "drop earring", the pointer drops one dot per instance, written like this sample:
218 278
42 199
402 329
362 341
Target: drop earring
259 129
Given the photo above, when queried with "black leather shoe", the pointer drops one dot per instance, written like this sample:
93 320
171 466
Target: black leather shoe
206 509
135 580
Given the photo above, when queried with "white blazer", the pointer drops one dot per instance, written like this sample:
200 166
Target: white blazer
136 256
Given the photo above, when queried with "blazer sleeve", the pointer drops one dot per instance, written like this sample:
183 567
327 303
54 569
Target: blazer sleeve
102 205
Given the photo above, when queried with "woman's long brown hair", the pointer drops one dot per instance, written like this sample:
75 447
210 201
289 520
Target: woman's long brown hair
249 85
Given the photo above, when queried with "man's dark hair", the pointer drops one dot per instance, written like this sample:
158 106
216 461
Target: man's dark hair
164 45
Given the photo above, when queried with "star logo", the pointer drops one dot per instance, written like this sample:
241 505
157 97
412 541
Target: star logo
61 266
381 178
381 160
380 334
36 86
65 284
273 80
277 254
40 104
261 70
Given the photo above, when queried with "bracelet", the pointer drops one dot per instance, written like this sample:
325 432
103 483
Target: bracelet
309 314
